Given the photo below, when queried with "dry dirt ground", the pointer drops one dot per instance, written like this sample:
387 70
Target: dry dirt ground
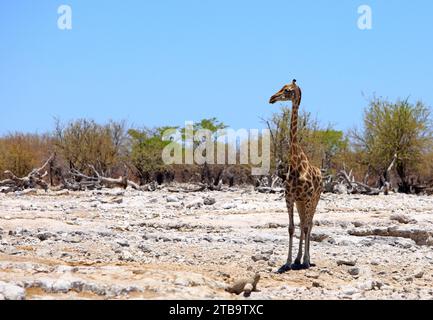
116 244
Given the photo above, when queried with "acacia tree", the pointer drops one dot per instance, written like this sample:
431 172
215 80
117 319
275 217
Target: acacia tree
398 132
146 150
214 126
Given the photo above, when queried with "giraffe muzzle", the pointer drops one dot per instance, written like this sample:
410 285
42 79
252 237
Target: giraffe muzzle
273 100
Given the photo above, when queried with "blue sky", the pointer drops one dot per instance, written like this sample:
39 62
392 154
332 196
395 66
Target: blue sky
164 62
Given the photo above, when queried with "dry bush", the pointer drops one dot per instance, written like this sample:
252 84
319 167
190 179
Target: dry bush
21 153
83 142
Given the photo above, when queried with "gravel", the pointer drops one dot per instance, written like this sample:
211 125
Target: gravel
156 245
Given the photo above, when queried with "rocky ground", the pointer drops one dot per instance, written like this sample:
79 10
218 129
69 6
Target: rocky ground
116 244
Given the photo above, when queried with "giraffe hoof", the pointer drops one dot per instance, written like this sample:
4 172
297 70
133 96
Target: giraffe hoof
297 266
306 266
303 266
284 269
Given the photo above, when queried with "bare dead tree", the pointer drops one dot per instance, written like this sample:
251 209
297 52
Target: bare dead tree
33 180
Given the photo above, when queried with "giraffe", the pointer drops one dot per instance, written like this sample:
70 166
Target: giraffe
303 183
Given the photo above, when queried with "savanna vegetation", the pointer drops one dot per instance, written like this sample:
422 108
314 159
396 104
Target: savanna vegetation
394 146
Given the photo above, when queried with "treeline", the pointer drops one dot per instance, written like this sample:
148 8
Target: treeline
394 146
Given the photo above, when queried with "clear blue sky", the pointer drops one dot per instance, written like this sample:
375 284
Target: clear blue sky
163 62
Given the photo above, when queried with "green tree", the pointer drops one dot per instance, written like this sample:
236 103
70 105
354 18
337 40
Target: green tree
398 129
324 145
211 124
146 151
209 174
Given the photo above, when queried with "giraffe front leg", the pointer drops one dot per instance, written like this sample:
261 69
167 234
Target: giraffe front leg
298 265
307 263
288 265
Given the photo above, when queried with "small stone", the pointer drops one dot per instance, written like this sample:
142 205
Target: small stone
349 291
44 235
316 284
172 199
354 271
95 288
244 285
272 263
144 248
260 257
11 291
223 274
312 275
350 263
268 252
248 289
61 286
117 200
208 201
366 286
403 219
196 204
318 237
126 256
229 206
374 263
122 243
64 269
182 282
77 286
378 285
419 274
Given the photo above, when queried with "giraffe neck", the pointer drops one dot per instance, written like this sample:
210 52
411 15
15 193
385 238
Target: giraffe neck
294 147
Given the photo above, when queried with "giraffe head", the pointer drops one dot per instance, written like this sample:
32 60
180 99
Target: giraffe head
290 92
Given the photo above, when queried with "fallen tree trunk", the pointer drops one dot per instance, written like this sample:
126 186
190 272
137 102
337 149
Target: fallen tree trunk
82 182
201 187
272 184
345 183
187 190
269 190
33 180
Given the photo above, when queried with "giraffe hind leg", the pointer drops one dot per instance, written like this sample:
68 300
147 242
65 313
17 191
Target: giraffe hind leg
306 264
307 231
311 210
